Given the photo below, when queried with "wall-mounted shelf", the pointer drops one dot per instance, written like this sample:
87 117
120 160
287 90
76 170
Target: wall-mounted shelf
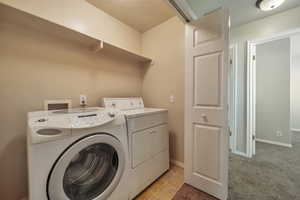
20 18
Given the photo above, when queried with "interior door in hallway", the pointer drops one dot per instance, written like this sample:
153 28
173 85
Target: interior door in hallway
206 127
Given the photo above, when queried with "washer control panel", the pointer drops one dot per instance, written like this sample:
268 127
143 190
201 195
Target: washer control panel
45 126
90 120
50 122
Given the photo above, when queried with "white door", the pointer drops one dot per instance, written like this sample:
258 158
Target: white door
206 127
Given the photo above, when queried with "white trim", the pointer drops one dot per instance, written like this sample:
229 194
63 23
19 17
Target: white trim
177 163
273 142
295 130
239 153
234 47
291 88
276 36
251 99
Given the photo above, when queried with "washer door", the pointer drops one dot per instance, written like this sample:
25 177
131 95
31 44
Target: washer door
90 169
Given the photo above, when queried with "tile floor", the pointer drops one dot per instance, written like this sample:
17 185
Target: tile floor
165 187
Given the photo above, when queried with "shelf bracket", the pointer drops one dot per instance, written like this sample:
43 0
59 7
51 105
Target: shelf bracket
97 47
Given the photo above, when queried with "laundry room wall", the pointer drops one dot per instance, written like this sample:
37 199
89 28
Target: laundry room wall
165 44
36 65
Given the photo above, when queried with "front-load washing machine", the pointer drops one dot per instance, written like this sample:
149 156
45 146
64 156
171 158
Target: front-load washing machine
77 154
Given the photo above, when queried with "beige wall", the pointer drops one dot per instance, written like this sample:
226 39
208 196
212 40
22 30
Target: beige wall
273 116
83 17
35 66
165 44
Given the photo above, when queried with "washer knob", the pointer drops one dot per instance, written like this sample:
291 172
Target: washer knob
111 114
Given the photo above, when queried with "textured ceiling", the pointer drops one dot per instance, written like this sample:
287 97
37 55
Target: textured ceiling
139 14
145 14
244 11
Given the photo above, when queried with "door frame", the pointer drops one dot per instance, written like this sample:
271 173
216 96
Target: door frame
251 97
251 84
233 105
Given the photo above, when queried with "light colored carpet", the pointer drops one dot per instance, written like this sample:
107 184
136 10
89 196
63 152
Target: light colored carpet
272 174
296 138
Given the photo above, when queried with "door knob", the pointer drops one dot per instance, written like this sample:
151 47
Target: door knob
204 117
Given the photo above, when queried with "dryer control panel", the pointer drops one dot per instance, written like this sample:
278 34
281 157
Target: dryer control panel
130 103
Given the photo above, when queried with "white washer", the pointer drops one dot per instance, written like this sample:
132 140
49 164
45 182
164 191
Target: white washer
77 154
148 141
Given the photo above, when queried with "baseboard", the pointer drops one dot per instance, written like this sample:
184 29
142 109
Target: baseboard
177 163
295 130
273 142
239 153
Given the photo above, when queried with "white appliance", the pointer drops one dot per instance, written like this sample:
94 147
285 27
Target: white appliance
77 154
148 141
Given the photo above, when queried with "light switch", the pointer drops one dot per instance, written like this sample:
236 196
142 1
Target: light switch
279 133
172 98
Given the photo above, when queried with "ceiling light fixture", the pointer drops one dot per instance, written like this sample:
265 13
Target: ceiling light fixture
266 5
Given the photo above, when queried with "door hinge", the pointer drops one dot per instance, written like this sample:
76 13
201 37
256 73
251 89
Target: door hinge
230 61
253 137
253 57
230 133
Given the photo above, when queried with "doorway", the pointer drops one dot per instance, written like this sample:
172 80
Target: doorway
270 166
268 93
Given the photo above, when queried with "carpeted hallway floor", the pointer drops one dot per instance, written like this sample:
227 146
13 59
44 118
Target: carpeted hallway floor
272 174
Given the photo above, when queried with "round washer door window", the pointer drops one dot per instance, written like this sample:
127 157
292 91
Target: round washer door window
90 169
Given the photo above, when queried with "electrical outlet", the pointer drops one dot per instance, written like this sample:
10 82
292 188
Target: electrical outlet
83 100
278 133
